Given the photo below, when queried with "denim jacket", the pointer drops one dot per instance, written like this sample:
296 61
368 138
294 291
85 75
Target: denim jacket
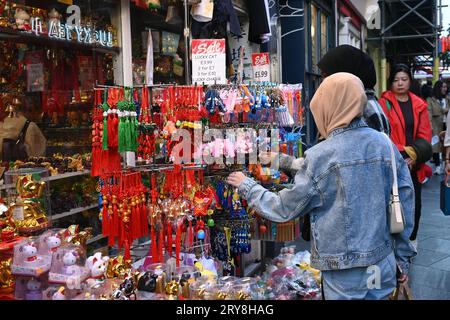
345 184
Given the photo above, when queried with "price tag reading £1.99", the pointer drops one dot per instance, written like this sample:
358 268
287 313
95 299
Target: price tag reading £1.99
261 67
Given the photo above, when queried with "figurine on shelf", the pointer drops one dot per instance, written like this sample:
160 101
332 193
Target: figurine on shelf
22 20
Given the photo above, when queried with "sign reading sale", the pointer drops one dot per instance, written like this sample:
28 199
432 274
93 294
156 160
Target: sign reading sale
261 67
208 61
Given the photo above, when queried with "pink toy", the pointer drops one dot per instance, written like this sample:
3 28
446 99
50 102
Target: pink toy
29 251
53 243
68 266
33 290
27 260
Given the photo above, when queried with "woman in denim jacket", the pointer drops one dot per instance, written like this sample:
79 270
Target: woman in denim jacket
345 184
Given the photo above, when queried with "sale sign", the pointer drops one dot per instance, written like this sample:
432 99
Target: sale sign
208 61
261 67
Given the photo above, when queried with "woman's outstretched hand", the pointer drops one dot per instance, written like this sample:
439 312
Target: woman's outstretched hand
236 178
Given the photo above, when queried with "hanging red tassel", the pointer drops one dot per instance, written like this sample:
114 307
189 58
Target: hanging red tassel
190 235
169 238
105 215
161 244
153 243
178 243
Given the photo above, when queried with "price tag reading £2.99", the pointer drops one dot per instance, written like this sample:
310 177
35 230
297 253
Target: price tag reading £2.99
261 67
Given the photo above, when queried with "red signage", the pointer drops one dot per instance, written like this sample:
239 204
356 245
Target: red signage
260 59
208 46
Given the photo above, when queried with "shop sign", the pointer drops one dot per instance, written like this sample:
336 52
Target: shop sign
261 67
208 61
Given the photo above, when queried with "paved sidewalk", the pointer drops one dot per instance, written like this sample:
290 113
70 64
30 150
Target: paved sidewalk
430 272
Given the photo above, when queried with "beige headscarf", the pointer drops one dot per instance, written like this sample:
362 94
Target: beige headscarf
339 99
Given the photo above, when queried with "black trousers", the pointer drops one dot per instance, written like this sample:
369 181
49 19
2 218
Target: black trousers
418 210
437 159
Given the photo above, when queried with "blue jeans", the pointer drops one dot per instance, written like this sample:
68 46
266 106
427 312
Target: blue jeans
370 283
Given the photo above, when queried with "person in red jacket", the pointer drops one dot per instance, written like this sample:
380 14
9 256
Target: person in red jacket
410 130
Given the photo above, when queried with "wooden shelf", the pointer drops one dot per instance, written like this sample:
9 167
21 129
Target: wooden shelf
25 37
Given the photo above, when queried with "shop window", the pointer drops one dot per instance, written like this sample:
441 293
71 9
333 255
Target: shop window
51 57
324 34
314 44
320 35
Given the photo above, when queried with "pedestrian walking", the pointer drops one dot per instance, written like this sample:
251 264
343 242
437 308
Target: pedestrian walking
410 131
438 106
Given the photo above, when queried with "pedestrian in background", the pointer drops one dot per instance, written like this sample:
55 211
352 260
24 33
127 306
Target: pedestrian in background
438 106
410 131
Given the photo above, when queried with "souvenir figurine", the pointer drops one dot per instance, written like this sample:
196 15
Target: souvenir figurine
34 218
33 290
97 265
27 261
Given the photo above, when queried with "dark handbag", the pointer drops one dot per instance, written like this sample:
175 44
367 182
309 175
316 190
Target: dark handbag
445 198
13 150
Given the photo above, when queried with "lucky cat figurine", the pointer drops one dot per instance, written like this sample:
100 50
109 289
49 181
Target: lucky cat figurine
97 265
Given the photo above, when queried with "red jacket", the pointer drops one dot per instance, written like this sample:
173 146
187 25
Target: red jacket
422 126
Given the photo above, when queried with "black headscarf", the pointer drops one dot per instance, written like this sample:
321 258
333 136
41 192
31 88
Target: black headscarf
349 59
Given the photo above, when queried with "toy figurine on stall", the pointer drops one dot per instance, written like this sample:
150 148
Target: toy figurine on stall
34 217
34 291
97 265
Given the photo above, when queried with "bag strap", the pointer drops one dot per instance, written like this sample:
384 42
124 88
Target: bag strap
394 167
23 132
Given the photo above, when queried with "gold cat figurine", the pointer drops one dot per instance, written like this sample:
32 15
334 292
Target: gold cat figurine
34 217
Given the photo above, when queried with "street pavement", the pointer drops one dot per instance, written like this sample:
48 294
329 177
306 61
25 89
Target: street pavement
430 271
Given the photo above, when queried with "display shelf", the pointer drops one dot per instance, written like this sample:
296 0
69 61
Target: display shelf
25 37
72 212
52 178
